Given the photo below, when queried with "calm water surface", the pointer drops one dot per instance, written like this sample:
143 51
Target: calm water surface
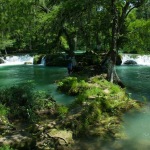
137 80
43 77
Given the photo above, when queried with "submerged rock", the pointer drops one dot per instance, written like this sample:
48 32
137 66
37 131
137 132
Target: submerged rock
28 63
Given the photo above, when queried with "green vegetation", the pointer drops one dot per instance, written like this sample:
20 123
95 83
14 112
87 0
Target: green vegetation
22 102
52 27
6 148
96 112
45 26
98 107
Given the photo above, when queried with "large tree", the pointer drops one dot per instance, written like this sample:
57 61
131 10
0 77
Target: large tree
119 10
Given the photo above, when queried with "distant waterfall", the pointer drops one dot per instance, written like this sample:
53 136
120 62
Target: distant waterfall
18 59
140 59
43 61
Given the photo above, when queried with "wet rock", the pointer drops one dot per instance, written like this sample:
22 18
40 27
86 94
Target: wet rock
28 63
130 62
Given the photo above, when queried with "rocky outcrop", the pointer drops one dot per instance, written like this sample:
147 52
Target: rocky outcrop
44 135
17 139
50 137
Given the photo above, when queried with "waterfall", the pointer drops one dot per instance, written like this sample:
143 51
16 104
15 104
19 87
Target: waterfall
43 61
139 59
17 60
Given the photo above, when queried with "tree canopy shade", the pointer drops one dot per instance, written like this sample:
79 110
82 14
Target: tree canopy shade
51 26
16 22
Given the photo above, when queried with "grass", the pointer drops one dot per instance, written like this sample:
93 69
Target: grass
98 104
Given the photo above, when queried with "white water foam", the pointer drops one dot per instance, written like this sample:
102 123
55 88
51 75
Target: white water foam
140 59
43 61
17 60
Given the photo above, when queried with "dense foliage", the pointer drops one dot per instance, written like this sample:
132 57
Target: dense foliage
22 102
51 26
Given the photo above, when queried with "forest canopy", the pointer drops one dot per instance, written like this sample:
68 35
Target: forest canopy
48 26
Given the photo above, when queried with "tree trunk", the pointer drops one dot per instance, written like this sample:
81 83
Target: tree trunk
71 43
113 48
110 58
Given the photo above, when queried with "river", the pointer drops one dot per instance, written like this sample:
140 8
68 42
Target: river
135 77
137 80
43 77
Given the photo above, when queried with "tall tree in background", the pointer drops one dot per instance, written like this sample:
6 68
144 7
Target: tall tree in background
120 10
138 34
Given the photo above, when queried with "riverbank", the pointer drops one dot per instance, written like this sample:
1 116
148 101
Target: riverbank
43 124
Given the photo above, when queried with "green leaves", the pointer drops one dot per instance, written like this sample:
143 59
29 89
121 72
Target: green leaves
138 36
53 25
6 43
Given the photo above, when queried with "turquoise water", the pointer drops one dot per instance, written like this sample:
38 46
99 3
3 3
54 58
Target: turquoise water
137 80
43 77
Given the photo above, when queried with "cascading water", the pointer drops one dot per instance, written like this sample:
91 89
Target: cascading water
139 59
43 61
17 60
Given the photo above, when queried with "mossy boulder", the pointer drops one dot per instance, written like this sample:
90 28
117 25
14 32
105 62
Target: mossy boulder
64 137
98 107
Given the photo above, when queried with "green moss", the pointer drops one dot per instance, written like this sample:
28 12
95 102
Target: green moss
98 104
62 110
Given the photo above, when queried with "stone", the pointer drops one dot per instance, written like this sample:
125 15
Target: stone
130 62
28 63
64 136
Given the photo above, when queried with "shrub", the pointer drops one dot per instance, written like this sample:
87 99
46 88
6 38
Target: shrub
66 85
62 110
23 101
6 147
3 110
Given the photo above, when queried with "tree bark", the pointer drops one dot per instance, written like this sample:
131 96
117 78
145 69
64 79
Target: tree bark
117 23
113 49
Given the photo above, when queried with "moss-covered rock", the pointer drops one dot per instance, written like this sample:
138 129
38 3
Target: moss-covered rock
98 107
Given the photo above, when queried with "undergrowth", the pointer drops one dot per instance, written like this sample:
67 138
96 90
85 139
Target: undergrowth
98 103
